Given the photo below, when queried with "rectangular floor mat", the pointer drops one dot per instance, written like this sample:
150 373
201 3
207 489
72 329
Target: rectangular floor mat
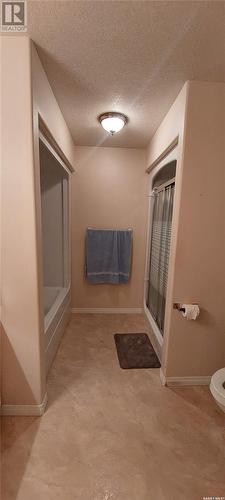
135 350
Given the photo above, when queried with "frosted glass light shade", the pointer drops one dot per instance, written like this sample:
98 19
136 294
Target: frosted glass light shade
112 122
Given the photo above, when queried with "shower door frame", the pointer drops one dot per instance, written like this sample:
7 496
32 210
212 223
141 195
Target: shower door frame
66 220
172 155
160 189
55 318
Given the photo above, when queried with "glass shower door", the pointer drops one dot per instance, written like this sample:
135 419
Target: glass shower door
55 238
160 251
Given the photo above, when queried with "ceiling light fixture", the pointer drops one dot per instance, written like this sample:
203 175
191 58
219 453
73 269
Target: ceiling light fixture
112 122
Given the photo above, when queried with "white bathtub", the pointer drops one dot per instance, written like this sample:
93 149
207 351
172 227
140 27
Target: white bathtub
57 313
50 295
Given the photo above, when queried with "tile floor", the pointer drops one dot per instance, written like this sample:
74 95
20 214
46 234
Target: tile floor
113 434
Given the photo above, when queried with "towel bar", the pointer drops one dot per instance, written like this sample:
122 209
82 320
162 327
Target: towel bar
109 229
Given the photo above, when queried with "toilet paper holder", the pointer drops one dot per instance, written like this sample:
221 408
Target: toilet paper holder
178 306
189 311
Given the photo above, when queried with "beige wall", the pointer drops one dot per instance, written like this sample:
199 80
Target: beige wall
27 95
197 251
171 127
198 348
23 376
46 106
108 190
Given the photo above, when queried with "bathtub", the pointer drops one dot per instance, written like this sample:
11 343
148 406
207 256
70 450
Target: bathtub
56 317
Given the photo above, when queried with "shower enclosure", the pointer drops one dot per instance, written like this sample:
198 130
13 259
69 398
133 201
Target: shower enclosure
54 180
162 186
160 250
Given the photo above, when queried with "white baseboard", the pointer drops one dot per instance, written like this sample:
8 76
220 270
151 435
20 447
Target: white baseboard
175 381
107 310
24 410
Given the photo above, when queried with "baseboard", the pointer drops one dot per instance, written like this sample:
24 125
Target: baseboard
24 410
107 310
175 381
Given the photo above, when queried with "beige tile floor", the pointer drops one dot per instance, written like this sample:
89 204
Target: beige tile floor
112 434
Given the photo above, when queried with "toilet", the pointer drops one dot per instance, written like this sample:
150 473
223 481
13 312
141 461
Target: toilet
217 388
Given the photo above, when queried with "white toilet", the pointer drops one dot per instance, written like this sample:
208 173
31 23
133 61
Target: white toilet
217 388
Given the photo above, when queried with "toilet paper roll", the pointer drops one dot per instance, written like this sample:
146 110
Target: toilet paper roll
191 311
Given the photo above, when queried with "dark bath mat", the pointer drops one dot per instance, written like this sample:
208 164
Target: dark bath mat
135 350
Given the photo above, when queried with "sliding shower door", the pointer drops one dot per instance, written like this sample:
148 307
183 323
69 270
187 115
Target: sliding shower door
55 232
160 250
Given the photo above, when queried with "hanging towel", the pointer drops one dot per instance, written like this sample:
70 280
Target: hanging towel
108 255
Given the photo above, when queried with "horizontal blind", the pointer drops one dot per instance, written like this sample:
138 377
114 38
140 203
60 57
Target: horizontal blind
159 252
155 253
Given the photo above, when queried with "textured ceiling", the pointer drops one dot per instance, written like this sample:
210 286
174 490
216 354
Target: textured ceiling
127 56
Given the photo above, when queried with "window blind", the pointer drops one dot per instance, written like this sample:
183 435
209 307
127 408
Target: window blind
159 252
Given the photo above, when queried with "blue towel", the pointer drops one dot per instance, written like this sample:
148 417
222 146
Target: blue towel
108 255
